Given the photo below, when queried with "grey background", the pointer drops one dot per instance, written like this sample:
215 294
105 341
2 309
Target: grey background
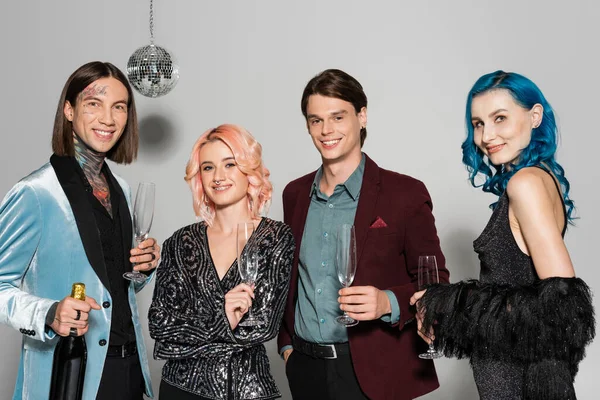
247 62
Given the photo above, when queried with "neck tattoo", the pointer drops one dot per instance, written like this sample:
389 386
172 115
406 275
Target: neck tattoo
91 163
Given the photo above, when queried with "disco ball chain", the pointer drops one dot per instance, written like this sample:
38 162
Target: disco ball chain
151 21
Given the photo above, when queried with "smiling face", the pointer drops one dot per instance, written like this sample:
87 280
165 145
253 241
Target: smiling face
501 127
222 181
99 116
334 127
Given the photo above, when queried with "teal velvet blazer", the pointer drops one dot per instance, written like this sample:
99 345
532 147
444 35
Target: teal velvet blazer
48 241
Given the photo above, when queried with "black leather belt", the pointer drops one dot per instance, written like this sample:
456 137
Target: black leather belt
324 351
122 351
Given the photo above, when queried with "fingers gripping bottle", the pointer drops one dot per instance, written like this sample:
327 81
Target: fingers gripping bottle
70 356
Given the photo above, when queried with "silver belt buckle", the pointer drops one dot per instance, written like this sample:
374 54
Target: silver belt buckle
332 346
122 351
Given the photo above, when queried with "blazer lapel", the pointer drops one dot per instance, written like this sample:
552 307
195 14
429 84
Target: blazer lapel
298 221
125 219
300 214
367 203
84 215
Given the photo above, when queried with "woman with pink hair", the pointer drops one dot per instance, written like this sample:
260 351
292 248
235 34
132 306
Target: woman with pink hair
199 298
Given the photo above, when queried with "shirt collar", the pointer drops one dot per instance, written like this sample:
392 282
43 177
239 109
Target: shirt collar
352 184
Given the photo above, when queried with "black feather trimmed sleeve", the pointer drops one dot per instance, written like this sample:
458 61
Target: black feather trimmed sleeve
549 321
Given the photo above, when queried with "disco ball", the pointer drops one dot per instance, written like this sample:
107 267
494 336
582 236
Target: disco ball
153 71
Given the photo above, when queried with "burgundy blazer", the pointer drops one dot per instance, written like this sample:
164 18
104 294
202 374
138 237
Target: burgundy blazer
385 356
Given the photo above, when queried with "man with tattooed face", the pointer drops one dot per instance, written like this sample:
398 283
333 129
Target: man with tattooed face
70 221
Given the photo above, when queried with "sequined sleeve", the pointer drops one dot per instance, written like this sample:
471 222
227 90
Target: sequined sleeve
277 252
181 322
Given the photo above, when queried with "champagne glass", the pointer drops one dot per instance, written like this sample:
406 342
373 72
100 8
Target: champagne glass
143 213
247 262
427 275
345 263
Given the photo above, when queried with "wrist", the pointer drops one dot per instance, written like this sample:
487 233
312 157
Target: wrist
387 306
51 314
232 325
388 309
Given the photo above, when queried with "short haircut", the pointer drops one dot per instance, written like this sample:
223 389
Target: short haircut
338 85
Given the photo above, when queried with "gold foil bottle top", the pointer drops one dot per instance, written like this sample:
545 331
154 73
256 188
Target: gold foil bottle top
78 291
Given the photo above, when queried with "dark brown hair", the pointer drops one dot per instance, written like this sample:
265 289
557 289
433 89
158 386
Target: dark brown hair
339 85
125 150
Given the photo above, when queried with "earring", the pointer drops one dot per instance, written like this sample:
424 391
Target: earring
204 205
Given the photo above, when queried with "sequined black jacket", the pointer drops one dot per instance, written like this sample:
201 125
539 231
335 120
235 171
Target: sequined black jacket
188 322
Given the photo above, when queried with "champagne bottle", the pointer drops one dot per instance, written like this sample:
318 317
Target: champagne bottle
70 356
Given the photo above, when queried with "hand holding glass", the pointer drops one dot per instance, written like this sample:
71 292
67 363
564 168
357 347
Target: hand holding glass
427 275
345 263
143 213
247 262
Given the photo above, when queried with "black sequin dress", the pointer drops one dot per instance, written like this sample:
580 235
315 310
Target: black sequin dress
503 263
187 316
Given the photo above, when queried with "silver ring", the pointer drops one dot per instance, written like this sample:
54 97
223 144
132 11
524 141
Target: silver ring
73 332
78 316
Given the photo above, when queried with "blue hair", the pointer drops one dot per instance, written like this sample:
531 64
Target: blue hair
539 152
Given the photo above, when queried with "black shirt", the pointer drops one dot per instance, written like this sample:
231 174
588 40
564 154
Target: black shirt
116 256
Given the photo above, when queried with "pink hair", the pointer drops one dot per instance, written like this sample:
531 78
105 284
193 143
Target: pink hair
247 153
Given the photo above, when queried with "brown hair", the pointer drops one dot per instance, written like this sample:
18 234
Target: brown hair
125 150
339 85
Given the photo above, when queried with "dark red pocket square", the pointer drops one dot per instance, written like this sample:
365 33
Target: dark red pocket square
379 223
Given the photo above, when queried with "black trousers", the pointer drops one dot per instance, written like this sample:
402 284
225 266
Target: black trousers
315 379
122 379
170 392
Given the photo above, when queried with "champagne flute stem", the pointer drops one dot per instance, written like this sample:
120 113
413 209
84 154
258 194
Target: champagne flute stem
138 241
250 308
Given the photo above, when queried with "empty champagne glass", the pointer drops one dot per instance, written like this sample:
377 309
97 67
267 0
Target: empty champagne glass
247 262
427 275
345 263
143 213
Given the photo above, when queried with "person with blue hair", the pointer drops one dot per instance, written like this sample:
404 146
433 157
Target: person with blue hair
526 322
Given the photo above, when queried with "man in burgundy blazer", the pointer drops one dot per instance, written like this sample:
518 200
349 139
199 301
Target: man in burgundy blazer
378 358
